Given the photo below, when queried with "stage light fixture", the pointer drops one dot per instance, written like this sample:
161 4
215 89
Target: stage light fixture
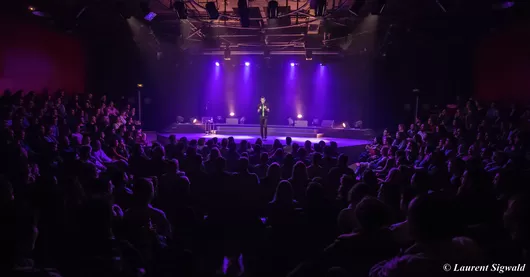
32 9
244 13
211 8
232 114
139 85
503 4
150 16
345 125
217 64
320 8
193 120
227 54
272 9
299 116
180 8
247 64
357 6
292 64
378 7
308 55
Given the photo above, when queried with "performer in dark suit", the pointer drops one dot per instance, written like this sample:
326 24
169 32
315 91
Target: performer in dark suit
263 110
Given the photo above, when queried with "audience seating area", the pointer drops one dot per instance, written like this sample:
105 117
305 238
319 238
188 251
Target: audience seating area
83 193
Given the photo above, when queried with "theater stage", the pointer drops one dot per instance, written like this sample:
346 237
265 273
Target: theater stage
350 141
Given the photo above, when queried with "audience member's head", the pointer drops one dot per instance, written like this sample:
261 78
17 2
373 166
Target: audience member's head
243 164
274 171
288 140
143 191
300 172
284 193
430 218
372 214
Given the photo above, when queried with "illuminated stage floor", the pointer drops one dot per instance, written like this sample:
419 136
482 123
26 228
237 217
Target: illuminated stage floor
342 142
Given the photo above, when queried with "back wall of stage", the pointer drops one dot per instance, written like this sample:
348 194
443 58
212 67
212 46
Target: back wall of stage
215 87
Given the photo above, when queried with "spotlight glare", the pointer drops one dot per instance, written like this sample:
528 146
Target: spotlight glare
247 64
217 64
232 114
292 64
299 116
31 8
344 124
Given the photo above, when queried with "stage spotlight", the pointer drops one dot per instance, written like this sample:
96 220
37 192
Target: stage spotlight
242 120
180 119
227 54
193 120
292 64
357 6
211 8
345 125
320 8
232 114
308 55
217 64
139 85
247 64
150 16
272 9
299 116
181 10
36 12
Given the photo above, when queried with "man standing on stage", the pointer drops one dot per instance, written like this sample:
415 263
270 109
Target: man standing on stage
263 110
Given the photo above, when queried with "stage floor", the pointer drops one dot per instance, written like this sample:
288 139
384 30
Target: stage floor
342 142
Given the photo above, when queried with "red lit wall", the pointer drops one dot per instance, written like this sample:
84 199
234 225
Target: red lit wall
502 68
34 57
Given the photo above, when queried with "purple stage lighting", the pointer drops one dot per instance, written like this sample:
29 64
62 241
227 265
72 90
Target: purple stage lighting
247 64
217 64
292 64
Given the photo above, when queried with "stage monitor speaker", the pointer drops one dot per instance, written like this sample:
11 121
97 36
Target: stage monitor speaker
327 123
301 123
232 121
171 128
